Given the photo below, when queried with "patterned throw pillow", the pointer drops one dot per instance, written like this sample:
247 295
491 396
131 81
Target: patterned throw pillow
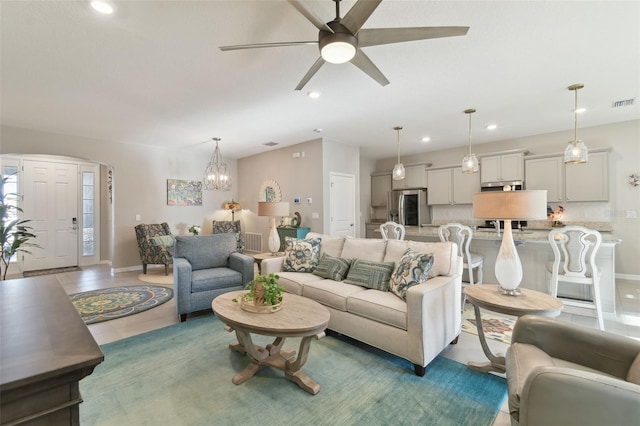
413 269
301 255
334 268
163 240
366 273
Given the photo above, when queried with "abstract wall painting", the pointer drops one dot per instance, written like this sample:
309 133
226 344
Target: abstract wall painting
184 192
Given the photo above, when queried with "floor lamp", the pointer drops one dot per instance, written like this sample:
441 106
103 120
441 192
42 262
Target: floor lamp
509 205
273 210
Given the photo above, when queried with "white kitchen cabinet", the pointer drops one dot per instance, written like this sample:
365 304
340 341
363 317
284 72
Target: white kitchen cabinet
380 187
588 181
570 182
415 177
546 173
506 167
451 186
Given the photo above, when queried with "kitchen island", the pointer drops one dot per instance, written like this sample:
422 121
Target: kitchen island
534 251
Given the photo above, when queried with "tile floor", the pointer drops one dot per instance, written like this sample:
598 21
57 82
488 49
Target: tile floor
468 347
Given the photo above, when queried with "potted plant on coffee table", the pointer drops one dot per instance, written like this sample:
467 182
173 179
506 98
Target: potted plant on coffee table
264 296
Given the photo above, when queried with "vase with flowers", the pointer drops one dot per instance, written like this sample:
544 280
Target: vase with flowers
195 230
264 296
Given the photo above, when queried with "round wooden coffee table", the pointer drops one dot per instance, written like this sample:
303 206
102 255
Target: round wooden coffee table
299 317
487 296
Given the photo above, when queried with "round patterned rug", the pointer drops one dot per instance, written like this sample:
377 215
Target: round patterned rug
110 303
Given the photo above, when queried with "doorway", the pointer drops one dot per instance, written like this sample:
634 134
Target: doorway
342 202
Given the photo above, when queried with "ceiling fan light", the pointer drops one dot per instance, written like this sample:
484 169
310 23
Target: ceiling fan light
470 164
398 172
576 152
338 52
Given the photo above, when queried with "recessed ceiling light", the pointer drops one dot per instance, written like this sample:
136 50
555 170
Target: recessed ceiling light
426 139
580 110
102 7
314 94
492 127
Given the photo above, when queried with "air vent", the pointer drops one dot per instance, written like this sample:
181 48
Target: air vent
622 103
271 143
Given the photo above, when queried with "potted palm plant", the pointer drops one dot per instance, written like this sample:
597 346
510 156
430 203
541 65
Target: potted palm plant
14 233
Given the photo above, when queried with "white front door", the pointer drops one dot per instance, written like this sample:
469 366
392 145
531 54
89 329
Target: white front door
50 192
343 204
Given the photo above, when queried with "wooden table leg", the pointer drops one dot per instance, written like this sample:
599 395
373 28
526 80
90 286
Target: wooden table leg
496 363
293 369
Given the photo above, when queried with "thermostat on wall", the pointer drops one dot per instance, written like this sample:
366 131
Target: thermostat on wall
296 200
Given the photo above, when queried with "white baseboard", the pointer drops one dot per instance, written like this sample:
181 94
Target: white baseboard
630 277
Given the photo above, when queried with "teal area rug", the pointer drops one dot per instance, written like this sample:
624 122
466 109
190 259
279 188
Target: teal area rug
181 375
116 302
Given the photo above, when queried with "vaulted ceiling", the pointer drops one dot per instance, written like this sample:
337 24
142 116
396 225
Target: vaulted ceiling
152 73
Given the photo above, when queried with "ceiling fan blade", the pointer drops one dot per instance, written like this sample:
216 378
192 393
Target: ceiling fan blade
321 25
358 14
363 62
378 36
261 45
314 69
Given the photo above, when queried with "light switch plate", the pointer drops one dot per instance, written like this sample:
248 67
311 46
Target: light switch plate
309 200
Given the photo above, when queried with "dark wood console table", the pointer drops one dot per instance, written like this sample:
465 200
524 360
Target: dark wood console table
45 350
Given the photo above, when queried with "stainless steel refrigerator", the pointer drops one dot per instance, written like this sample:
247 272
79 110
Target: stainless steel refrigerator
409 207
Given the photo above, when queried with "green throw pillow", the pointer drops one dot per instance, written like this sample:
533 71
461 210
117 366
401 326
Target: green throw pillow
301 255
334 268
413 269
366 273
163 240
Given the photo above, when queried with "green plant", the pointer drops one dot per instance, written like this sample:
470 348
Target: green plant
14 234
271 293
195 230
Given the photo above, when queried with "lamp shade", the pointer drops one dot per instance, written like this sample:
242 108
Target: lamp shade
510 205
266 208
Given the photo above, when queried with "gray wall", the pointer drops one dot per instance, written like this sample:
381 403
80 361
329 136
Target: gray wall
624 159
139 183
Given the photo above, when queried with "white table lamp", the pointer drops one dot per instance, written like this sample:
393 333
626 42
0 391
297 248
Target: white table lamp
508 206
273 210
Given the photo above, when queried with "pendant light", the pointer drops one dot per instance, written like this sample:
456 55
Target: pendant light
576 151
398 169
216 175
470 161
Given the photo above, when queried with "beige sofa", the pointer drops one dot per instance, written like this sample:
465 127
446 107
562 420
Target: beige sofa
417 329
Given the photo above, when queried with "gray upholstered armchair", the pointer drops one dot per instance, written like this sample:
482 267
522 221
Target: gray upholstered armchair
559 373
154 245
205 266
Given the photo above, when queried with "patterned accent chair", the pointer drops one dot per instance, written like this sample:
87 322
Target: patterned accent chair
152 251
230 227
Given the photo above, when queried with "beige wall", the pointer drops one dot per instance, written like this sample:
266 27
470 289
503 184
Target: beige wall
340 158
140 179
623 139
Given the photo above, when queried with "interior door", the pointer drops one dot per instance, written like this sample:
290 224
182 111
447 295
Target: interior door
50 192
343 204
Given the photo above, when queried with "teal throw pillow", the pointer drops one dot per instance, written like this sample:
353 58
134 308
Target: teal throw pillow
366 273
331 267
301 255
413 269
163 240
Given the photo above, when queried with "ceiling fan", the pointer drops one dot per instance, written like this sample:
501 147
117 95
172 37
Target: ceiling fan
341 40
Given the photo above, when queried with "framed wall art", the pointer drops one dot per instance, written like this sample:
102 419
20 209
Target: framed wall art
184 192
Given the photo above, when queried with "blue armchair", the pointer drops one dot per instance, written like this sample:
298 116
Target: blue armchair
205 266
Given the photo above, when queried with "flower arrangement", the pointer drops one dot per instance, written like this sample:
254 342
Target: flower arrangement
195 230
265 294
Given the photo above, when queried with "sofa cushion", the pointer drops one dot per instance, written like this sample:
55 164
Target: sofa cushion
210 279
293 282
364 248
412 269
301 255
370 274
330 245
330 293
634 371
445 255
380 306
334 268
206 251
